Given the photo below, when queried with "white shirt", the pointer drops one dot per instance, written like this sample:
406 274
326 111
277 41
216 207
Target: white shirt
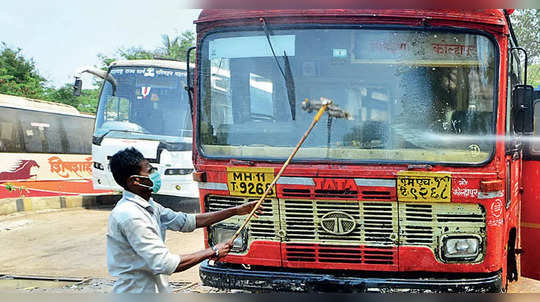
136 251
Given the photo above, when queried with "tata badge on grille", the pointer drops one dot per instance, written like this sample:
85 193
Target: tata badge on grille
338 223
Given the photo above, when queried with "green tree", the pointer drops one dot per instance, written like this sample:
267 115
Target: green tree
18 75
87 102
173 47
526 24
135 53
176 47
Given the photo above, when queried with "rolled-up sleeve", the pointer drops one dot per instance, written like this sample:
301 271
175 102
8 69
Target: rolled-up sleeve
147 243
177 221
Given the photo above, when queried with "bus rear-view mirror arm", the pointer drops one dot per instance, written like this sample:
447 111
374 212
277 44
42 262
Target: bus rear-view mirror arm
189 86
77 87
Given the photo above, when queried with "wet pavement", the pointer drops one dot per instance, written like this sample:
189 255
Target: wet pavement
71 243
14 284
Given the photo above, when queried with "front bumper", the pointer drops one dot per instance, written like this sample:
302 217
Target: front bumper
260 280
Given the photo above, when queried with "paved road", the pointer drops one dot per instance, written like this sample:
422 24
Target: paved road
72 243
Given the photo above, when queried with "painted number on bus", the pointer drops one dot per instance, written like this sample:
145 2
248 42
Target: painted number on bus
416 186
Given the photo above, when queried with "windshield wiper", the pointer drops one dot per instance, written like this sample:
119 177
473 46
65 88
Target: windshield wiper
96 140
287 75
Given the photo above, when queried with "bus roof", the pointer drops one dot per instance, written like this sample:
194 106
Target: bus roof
38 105
489 16
150 63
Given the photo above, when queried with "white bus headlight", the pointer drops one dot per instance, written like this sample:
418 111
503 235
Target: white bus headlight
221 233
461 247
178 171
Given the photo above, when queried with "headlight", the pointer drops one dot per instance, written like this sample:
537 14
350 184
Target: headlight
178 171
461 247
221 233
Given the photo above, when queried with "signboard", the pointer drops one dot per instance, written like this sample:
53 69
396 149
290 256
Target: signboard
426 47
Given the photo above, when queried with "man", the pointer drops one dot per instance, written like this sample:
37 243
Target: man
136 252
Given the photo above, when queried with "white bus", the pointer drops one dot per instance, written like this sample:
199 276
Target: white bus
144 104
44 148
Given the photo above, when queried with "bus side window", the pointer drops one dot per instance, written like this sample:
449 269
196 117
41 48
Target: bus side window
78 131
54 134
10 132
33 133
42 133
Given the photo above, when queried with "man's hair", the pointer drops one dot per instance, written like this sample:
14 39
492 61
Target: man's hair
124 164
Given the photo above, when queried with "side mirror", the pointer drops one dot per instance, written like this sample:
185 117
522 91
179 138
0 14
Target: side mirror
522 108
77 87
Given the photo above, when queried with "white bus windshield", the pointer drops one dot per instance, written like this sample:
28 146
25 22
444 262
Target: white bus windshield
414 96
149 103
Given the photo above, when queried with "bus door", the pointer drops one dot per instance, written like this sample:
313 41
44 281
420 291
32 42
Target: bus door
530 205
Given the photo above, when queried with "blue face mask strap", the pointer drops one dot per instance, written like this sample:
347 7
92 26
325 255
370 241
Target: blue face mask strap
155 178
142 185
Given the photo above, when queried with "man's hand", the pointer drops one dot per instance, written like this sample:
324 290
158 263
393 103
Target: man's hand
207 219
246 208
193 259
223 249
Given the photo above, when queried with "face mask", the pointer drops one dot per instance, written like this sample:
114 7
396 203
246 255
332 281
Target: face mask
155 178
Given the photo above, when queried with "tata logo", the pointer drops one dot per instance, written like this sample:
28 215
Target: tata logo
338 223
335 184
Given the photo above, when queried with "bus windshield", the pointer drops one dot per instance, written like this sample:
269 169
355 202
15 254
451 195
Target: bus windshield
414 95
147 103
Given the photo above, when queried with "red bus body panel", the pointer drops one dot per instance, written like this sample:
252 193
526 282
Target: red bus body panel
530 220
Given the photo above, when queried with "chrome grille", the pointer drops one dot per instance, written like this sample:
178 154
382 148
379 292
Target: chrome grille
218 203
379 222
380 227
299 220
418 226
375 221
423 224
263 227
417 235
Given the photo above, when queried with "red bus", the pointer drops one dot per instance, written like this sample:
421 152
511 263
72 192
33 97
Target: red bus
414 192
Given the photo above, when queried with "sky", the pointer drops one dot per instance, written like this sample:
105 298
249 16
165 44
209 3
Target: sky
62 35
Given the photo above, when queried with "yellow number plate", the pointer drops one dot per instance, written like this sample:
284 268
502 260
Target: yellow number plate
249 181
424 186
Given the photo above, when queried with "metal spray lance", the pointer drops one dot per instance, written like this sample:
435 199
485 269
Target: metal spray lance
323 105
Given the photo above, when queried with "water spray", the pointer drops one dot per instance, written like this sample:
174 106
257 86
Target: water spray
323 105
